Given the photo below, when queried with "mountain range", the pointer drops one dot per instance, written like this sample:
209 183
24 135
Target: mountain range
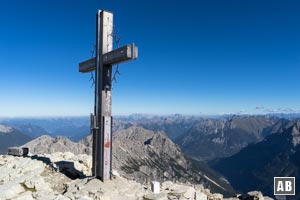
173 125
74 128
217 152
209 139
276 155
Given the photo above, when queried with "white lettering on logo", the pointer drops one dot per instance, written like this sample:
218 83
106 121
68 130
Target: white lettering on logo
288 186
280 187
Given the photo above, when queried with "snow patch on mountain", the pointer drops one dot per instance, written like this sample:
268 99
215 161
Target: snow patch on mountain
5 129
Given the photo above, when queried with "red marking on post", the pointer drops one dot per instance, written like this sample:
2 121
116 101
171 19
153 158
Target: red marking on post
107 144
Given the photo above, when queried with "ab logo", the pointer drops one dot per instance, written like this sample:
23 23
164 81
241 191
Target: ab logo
284 185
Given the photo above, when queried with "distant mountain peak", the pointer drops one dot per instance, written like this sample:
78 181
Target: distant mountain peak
5 129
291 131
208 139
296 134
10 136
298 124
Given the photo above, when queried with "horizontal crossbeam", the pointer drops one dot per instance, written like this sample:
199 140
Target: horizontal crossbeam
87 66
117 56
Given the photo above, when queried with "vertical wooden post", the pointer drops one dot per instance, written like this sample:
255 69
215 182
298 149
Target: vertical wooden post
102 133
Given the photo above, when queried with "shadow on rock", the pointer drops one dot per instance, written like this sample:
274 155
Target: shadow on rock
65 167
45 160
68 169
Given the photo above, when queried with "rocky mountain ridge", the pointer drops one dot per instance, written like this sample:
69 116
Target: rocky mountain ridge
277 155
216 138
40 177
5 129
9 136
174 126
141 155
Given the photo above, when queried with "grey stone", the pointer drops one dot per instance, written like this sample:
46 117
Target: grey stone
217 196
189 194
24 196
153 196
200 196
254 195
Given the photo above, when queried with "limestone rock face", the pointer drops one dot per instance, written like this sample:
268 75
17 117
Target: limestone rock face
20 175
138 152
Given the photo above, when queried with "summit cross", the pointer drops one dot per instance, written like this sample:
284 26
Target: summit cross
101 121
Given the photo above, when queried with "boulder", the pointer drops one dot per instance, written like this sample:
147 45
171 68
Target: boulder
153 196
10 190
254 195
200 196
24 196
189 193
217 196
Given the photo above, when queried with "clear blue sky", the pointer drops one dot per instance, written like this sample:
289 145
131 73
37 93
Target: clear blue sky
195 56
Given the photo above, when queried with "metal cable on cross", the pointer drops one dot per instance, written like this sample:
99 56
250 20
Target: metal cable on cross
116 40
93 52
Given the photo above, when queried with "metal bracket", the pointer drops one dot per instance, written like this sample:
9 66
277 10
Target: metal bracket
93 124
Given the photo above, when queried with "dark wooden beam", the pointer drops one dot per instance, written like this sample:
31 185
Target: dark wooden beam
117 56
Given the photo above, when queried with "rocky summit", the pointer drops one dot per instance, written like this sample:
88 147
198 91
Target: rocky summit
141 155
65 176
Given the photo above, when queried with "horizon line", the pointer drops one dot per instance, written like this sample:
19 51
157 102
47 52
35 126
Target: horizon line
153 115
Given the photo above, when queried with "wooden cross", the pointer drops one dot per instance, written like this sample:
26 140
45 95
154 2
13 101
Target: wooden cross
101 121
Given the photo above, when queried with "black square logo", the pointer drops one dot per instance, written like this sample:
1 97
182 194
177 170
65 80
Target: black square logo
284 185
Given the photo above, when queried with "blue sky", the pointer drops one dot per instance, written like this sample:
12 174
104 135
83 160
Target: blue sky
195 57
